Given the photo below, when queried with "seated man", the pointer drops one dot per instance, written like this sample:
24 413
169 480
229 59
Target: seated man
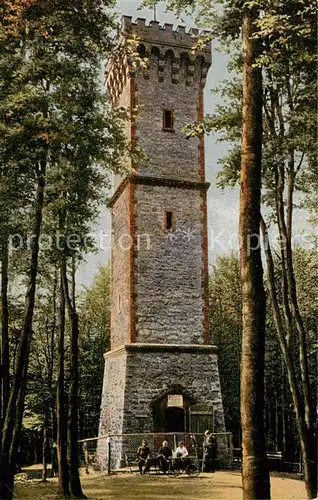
161 459
143 454
165 454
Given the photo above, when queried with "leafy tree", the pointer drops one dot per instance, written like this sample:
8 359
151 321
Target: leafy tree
226 325
94 320
226 332
286 33
53 115
240 18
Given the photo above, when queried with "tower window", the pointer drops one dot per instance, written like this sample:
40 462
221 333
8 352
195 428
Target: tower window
168 119
169 220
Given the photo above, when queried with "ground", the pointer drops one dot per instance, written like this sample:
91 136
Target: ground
223 485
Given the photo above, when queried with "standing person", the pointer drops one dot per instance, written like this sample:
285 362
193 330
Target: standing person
210 448
143 454
213 453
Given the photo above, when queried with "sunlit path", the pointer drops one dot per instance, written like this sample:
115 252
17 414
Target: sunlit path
221 485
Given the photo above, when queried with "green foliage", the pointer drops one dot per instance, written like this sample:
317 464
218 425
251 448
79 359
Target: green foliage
53 108
226 333
57 129
226 328
94 314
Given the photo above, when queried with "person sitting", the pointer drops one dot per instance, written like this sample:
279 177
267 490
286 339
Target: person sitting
181 451
165 454
161 460
143 454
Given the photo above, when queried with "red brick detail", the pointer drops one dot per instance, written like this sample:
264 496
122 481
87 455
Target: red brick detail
205 268
131 261
133 103
111 285
201 145
131 212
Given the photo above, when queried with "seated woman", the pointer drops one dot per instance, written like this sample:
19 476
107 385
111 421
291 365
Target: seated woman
181 451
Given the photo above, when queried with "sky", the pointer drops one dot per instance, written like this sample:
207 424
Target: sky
223 206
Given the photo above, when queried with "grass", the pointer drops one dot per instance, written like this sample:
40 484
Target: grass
223 485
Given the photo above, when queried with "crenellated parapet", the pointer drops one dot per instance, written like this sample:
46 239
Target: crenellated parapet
158 52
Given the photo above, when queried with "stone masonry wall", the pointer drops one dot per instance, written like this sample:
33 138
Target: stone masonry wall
112 405
124 101
168 275
120 271
169 154
113 394
150 374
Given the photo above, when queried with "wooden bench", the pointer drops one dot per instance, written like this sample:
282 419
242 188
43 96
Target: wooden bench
295 467
275 460
132 462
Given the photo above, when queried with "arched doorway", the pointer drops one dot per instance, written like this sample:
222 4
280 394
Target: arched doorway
170 413
175 419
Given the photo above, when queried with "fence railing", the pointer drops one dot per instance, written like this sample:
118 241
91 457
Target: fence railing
109 453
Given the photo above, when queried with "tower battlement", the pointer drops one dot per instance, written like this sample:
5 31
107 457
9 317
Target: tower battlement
159 341
165 34
167 54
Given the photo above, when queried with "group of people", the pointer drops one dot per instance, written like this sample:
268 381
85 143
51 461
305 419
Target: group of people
162 459
165 454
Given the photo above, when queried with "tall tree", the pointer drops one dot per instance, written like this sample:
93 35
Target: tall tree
289 100
239 19
61 439
53 112
254 472
94 321
226 332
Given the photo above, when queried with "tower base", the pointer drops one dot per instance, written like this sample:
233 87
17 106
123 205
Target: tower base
153 388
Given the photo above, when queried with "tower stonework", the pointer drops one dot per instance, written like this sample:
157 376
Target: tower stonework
159 262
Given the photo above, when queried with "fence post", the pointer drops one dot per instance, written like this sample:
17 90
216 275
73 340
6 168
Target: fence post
231 449
86 456
109 457
174 442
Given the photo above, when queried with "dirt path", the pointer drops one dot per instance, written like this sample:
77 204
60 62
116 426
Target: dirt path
218 486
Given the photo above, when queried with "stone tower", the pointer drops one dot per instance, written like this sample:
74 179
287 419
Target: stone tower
160 365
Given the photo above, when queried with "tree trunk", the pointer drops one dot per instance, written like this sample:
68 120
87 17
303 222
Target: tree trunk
75 483
290 301
255 474
54 470
61 433
307 441
19 413
10 423
284 416
4 362
44 450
